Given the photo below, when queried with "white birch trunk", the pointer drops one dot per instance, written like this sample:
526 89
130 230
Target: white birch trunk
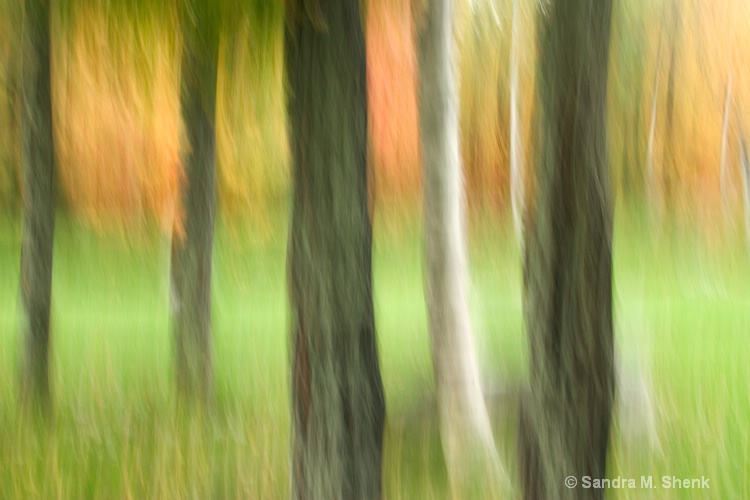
651 178
724 129
465 427
745 164
637 407
516 144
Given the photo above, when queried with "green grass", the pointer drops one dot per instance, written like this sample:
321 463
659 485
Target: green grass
116 433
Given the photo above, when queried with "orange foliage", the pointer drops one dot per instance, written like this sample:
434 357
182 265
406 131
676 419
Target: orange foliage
116 110
712 44
251 135
484 113
481 68
392 100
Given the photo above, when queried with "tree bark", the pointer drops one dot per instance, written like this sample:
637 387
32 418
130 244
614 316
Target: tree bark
565 418
669 172
37 158
337 392
634 176
465 426
517 188
13 174
192 252
650 176
745 169
724 138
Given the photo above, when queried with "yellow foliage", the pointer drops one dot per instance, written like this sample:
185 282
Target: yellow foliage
392 100
115 91
252 146
115 106
710 45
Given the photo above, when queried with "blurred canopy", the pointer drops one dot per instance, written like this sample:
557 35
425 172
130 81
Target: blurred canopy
115 72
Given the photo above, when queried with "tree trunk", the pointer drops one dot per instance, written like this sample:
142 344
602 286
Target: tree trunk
565 418
517 188
337 392
465 427
634 167
724 137
669 172
745 168
37 158
650 176
192 252
13 175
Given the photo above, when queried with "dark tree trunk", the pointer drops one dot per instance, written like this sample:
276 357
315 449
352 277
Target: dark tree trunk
192 252
37 157
565 418
337 393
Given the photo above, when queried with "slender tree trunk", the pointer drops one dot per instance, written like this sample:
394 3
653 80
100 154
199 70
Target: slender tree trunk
337 392
634 168
517 188
13 110
465 427
724 137
669 172
192 253
650 176
745 164
37 158
565 418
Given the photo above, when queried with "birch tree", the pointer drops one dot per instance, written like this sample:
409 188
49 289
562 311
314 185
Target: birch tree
724 139
465 426
669 172
650 175
337 392
517 188
745 171
566 414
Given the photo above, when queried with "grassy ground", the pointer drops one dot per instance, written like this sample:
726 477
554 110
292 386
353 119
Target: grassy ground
682 317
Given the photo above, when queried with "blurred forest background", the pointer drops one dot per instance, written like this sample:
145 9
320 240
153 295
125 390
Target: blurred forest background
678 109
115 84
